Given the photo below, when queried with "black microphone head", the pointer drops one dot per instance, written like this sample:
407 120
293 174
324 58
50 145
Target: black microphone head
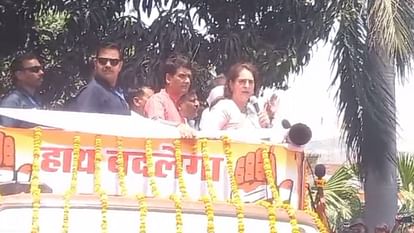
320 170
286 124
299 134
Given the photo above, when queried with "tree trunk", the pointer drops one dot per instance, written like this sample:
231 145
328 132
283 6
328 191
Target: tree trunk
379 150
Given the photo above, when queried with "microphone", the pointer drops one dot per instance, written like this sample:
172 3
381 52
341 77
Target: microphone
299 134
286 124
320 170
255 103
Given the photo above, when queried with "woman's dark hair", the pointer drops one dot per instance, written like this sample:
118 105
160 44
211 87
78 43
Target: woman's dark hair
233 74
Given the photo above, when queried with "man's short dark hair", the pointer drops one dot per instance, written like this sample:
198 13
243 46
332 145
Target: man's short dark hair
110 45
187 96
174 62
17 63
136 92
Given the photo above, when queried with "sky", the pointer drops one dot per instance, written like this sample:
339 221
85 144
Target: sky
311 100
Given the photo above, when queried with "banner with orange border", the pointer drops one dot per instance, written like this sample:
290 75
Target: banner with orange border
16 148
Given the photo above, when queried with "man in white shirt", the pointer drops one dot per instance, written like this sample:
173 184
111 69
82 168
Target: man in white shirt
188 106
137 98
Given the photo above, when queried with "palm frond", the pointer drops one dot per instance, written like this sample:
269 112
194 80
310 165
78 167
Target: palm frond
407 199
348 57
406 174
363 97
392 31
406 169
341 195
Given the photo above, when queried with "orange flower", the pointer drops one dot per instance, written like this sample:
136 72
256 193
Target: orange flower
35 182
179 166
120 165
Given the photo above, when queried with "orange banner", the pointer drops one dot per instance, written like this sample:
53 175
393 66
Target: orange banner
56 158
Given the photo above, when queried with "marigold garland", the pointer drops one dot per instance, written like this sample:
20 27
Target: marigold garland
306 204
269 175
73 183
318 222
276 200
207 200
121 167
66 208
179 166
292 216
235 197
75 164
208 206
104 211
143 211
103 198
206 163
178 213
35 182
271 211
271 208
98 160
150 167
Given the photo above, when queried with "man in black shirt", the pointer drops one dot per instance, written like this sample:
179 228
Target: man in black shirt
27 74
102 95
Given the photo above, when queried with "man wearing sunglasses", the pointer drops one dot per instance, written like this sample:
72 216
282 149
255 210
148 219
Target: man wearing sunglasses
27 75
102 94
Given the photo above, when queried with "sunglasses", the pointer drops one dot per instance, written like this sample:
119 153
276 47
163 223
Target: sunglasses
32 69
113 62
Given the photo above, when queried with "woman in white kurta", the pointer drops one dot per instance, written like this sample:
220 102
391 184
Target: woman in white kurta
234 111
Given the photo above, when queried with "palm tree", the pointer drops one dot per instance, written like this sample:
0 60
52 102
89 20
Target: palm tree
374 39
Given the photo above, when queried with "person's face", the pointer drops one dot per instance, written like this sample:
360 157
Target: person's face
242 87
179 83
140 102
31 74
108 64
189 108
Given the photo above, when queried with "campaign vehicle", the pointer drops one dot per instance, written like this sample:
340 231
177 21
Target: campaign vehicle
83 172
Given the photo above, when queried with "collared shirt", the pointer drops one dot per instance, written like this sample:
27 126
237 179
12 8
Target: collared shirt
162 106
19 98
99 97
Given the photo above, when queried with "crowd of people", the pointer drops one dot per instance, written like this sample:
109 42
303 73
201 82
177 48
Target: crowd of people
176 104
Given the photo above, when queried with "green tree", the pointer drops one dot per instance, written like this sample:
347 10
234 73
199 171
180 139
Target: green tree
243 31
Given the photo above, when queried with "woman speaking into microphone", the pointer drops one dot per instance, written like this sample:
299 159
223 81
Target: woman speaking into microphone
235 110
